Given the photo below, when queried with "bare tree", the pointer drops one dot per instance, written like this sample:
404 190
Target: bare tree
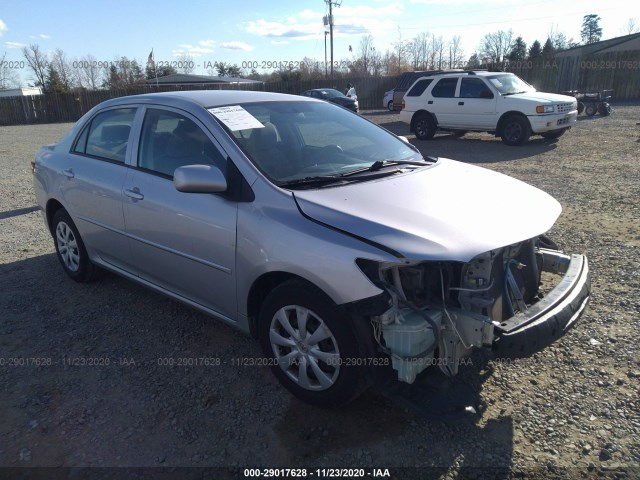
89 73
38 63
456 54
631 27
8 76
368 60
185 63
421 51
496 46
559 40
401 54
390 64
63 66
438 47
311 69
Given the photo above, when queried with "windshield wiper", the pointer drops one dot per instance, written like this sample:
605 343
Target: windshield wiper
379 164
513 93
315 180
320 180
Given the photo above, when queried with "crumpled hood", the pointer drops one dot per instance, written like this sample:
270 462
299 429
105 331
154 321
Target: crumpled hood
450 211
544 97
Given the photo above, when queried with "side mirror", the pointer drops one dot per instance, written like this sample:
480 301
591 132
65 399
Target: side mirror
486 94
199 179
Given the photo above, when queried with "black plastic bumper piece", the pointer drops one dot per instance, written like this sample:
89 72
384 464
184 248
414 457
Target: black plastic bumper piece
528 332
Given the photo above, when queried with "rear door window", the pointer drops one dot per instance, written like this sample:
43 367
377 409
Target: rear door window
107 135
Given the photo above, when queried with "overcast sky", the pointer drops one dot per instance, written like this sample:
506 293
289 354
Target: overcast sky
258 31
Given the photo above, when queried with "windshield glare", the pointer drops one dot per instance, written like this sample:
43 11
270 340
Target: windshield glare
309 139
509 84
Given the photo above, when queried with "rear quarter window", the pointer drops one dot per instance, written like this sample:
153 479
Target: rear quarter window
445 88
419 88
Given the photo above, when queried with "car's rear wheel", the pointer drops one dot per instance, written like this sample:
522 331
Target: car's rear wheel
424 127
390 105
554 134
311 345
515 130
70 248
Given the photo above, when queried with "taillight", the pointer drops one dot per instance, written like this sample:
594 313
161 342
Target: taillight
402 105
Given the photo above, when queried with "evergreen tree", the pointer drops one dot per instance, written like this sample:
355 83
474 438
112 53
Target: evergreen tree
548 51
53 83
591 31
535 51
519 50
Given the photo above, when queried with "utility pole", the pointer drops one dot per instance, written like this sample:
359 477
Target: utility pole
331 3
325 53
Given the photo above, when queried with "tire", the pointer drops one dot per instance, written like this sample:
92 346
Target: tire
515 130
554 134
604 109
424 127
580 107
70 248
390 106
590 109
311 365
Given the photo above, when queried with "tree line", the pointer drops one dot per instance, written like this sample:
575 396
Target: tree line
56 72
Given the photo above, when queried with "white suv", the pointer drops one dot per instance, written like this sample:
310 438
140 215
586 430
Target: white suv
496 102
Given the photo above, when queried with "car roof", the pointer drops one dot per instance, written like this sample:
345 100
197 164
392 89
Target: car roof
322 89
205 98
469 73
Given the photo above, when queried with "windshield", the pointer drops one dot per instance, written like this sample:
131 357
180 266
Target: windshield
509 84
291 141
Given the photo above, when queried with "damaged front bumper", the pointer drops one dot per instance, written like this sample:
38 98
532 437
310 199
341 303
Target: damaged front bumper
548 319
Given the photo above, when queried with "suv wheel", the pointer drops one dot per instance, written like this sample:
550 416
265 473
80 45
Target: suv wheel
424 127
70 248
309 341
515 130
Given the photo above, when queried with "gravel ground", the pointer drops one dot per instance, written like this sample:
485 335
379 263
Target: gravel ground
570 411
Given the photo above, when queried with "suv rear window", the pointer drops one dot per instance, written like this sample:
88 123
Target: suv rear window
419 87
446 87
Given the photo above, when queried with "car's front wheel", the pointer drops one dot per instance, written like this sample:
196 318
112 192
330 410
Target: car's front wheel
70 248
515 130
424 127
390 105
310 344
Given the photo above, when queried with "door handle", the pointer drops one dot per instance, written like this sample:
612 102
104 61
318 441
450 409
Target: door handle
68 173
430 102
134 193
460 103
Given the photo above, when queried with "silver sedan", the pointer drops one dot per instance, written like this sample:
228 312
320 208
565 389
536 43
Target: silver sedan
349 256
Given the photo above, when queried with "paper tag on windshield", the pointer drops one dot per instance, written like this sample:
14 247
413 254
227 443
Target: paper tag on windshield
236 118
